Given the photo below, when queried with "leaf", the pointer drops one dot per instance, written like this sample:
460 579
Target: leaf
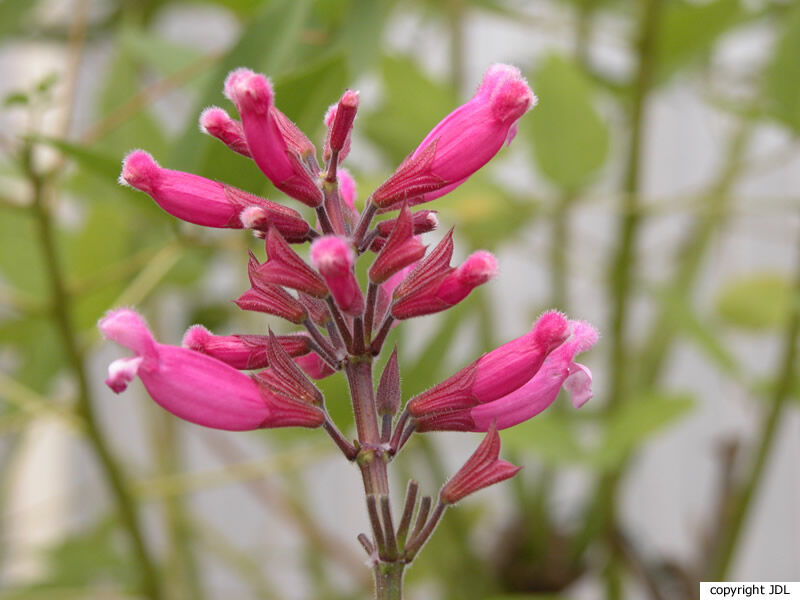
757 301
570 140
12 13
782 77
689 30
413 105
361 31
635 422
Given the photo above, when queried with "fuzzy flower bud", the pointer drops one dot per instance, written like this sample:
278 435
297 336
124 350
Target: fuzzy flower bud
484 468
434 285
215 122
339 121
241 351
266 297
205 202
462 143
196 387
333 257
284 377
277 146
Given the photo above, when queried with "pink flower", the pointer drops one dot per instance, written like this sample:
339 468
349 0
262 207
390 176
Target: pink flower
205 202
241 351
314 366
482 469
279 149
334 258
558 369
196 387
266 297
434 285
497 373
463 142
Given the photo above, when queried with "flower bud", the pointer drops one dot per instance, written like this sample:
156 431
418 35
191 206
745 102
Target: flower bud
241 351
268 298
339 121
278 148
333 257
196 387
284 377
462 143
215 122
205 202
482 469
388 395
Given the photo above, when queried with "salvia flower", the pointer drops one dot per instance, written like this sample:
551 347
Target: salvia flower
284 267
206 202
401 249
339 121
268 298
482 469
216 122
463 142
558 370
195 387
496 373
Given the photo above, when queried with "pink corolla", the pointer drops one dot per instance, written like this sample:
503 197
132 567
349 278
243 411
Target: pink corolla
242 351
557 371
277 146
206 202
463 142
434 285
496 373
196 387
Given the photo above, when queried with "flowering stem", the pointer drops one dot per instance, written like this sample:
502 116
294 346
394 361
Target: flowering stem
420 537
336 435
324 222
320 345
341 325
369 313
394 445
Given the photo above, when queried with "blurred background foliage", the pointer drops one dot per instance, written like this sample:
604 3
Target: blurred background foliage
116 76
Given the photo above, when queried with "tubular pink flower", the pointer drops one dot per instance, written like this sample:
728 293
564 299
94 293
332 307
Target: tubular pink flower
196 387
402 248
482 469
496 373
333 257
284 267
202 201
424 221
278 148
435 286
339 121
215 122
532 398
314 366
463 142
241 351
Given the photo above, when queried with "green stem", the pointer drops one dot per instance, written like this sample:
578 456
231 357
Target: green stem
389 581
61 306
744 500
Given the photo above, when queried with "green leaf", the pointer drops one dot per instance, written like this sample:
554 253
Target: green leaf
12 13
635 422
570 140
757 301
361 29
413 105
782 77
689 30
